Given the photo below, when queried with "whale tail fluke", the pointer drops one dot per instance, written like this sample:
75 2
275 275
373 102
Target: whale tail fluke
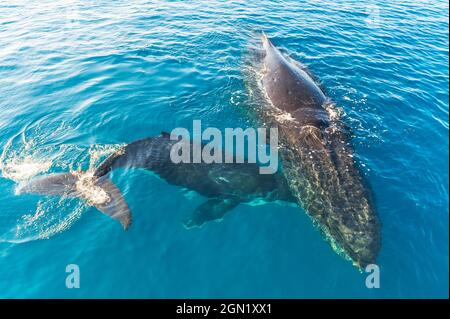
100 192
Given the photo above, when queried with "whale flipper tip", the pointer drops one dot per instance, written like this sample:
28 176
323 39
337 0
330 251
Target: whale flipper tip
213 209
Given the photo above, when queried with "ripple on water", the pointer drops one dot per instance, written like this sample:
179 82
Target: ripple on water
78 78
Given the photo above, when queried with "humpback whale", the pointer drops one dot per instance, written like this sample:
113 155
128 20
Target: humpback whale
226 185
317 158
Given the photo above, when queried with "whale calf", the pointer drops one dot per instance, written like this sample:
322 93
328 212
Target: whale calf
317 157
226 185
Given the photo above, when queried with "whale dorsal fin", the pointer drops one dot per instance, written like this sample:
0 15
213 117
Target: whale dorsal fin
212 209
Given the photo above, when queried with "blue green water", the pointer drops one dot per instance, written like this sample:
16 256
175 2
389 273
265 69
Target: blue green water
77 78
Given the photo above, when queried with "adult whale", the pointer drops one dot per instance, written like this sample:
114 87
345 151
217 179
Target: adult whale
317 157
226 185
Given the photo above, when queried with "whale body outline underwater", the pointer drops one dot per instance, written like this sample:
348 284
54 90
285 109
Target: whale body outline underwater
318 169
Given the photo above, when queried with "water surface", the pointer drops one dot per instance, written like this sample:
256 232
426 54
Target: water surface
80 78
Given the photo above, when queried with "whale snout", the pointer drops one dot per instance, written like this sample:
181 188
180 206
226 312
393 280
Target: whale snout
265 40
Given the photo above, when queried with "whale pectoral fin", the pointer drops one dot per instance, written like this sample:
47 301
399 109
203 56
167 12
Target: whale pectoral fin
213 209
116 207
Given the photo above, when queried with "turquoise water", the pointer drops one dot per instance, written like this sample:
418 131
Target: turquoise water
79 78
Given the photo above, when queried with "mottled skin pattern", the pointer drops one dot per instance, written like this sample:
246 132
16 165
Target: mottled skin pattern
317 158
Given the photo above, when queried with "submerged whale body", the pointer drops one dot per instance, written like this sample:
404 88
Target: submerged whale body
226 185
317 158
318 170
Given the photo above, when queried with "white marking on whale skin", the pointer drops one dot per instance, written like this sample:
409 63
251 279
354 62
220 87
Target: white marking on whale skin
187 193
223 179
284 117
261 201
256 202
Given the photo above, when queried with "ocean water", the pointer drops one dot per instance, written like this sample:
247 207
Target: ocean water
80 78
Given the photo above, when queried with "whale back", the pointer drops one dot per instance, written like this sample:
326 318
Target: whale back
241 180
291 89
150 153
318 160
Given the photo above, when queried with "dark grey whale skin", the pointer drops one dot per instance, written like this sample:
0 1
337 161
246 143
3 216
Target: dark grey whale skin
317 158
226 185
